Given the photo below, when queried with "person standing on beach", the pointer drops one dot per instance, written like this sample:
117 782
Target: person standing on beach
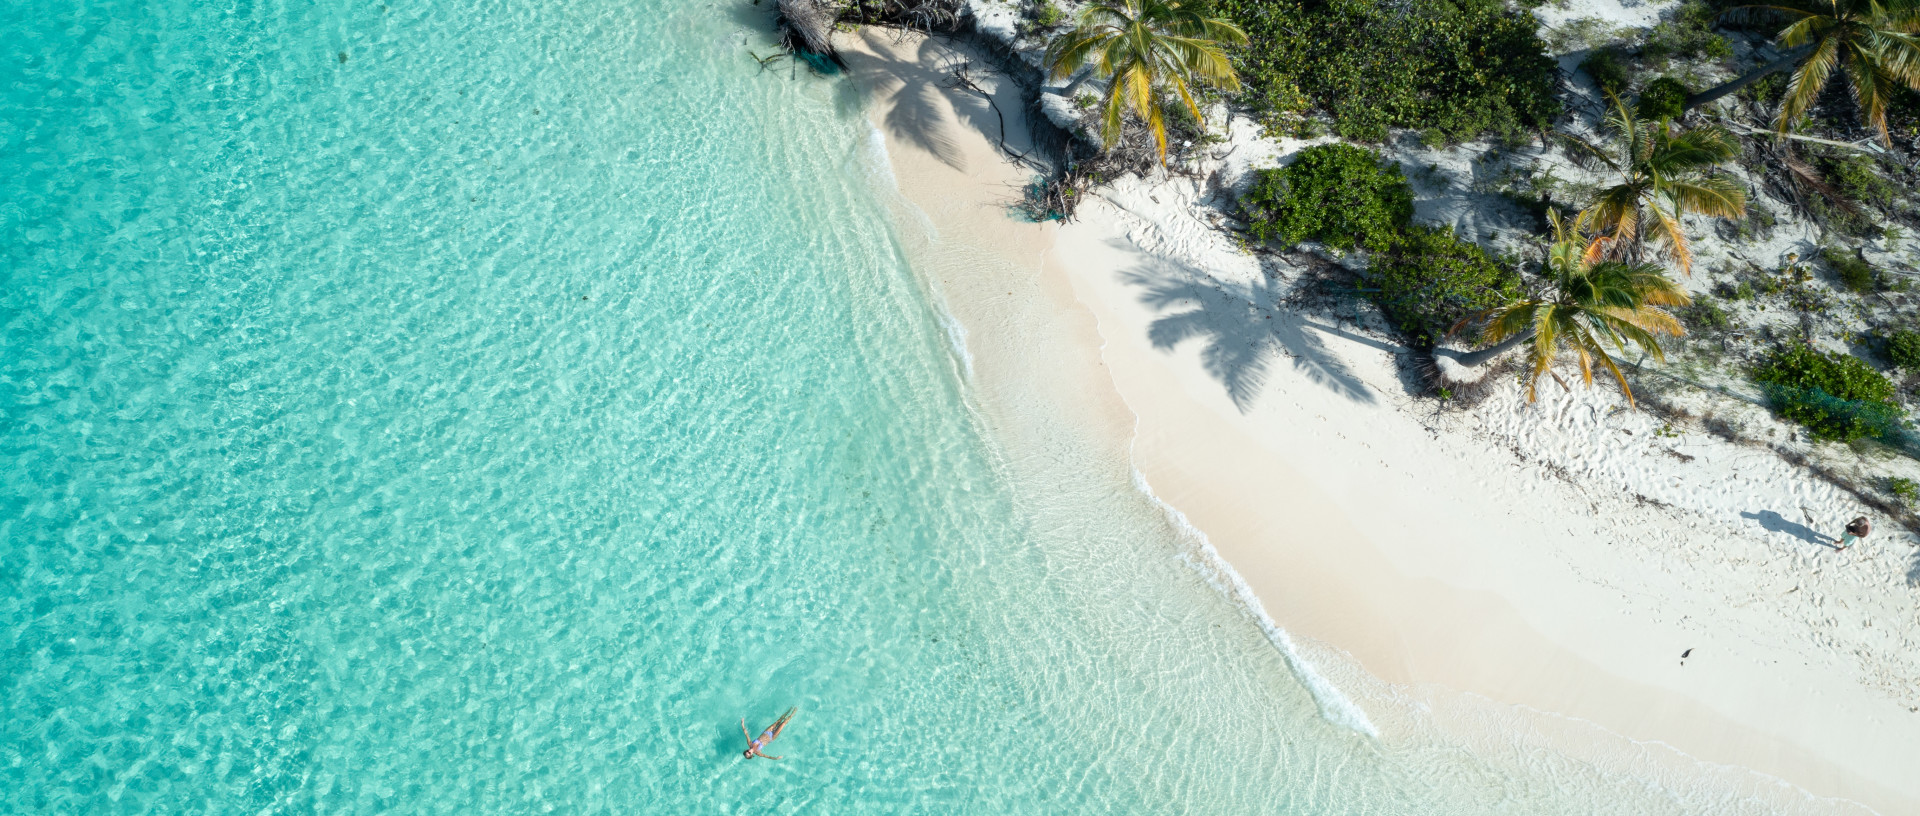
1856 529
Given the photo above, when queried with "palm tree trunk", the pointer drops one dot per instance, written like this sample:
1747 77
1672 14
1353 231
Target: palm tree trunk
1785 62
1083 76
1474 358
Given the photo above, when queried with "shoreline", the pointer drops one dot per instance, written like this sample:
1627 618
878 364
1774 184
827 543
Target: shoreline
1441 596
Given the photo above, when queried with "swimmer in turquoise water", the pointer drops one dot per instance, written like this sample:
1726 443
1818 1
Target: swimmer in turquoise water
766 737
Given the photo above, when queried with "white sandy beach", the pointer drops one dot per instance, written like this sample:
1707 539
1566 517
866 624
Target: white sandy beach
1507 568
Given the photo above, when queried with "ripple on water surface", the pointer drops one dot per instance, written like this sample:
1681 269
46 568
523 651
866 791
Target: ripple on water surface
481 408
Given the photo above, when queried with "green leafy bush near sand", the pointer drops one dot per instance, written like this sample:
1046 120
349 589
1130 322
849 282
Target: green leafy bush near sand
1837 396
1687 35
1706 314
1453 69
1905 489
1663 99
1340 195
1854 273
1048 15
1607 71
1903 347
1856 176
1430 279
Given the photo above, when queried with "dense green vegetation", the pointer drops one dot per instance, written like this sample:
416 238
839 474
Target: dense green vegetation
1608 72
1687 35
1429 280
1706 314
1854 175
1453 69
1837 396
1854 273
1903 347
1663 99
1906 489
1340 195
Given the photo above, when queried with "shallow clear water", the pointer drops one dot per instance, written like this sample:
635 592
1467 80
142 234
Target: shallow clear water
452 407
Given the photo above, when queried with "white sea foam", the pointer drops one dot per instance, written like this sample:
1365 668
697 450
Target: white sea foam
880 165
1336 707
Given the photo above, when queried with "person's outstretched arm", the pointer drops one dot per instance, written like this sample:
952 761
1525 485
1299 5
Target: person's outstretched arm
743 732
769 756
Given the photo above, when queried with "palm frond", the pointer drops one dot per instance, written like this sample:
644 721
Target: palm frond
1695 149
1807 82
1584 154
1713 196
1870 90
1665 230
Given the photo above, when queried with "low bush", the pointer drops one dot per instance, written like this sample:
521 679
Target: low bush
1048 15
1837 396
1430 279
1854 273
1903 347
1857 177
1905 489
1454 69
1663 99
1765 91
1687 35
1706 314
1340 195
1607 71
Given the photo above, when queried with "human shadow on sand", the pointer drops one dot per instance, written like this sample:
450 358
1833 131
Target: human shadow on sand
1243 325
1775 523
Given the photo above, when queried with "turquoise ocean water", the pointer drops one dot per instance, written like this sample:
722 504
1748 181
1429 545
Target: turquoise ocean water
480 407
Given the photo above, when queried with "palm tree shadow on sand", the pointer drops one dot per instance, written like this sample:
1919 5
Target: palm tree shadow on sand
1244 327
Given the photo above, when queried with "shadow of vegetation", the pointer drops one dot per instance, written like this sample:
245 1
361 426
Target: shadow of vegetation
1244 326
919 115
1913 573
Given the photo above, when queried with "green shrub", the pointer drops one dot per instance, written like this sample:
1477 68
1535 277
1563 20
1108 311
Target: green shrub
1607 72
1854 175
1905 489
1430 279
1837 396
1856 274
1048 15
1903 347
1339 195
1452 68
1688 35
1765 91
1706 315
1663 99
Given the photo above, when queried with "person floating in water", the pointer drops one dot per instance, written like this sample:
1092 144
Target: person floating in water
766 737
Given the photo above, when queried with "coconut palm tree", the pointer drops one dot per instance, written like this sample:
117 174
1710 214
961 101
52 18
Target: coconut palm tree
1592 305
1876 43
1663 176
1146 50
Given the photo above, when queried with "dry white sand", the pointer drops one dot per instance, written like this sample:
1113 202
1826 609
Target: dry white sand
1536 568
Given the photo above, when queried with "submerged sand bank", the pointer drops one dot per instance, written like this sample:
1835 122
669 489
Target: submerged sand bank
1461 577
